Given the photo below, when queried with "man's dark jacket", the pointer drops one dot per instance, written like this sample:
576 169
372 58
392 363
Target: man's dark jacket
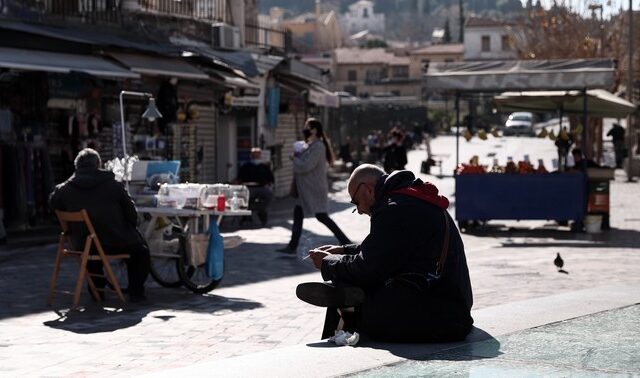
110 207
406 237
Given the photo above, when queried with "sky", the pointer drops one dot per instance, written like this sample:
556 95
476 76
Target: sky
582 6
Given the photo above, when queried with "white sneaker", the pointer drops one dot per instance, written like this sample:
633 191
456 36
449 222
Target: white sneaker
345 338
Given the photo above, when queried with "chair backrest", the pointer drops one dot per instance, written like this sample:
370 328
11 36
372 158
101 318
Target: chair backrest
67 217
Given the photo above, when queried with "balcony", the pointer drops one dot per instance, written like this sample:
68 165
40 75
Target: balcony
267 37
94 11
205 10
120 12
88 11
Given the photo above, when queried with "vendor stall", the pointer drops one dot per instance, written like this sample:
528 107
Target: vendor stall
520 192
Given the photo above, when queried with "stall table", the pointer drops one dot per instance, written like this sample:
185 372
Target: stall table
554 196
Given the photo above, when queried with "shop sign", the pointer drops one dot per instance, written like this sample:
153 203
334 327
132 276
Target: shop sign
246 101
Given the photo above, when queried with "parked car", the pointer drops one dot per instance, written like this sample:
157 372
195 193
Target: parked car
519 123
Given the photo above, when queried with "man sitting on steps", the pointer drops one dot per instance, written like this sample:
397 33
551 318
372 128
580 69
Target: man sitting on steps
408 281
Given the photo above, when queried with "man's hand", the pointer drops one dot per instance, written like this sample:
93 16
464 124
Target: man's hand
331 249
317 255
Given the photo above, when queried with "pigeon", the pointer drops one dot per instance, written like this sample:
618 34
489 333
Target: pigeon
559 262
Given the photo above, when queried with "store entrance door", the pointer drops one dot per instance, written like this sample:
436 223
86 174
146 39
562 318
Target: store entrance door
226 167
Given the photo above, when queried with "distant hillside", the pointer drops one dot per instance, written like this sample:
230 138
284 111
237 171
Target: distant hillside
412 20
388 7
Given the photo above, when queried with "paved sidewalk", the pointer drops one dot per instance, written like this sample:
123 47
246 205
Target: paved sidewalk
255 309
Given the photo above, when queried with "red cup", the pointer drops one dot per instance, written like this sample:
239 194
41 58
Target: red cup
222 203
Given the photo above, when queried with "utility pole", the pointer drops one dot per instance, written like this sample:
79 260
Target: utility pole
630 131
592 8
461 9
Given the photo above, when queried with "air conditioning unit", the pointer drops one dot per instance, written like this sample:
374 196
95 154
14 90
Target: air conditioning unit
225 36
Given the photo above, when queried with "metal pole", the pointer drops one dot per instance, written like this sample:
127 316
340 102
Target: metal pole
630 97
562 160
457 130
585 125
461 15
124 134
124 144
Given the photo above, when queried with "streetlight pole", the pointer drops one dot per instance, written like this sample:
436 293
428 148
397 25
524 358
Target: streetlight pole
151 114
630 97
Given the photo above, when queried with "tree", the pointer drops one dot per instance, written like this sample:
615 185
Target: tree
375 43
560 33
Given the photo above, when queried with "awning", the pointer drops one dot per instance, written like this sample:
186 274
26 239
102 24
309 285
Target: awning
240 60
159 66
35 60
516 75
600 103
232 80
323 97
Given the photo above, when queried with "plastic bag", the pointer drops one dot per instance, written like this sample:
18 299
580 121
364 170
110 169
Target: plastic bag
215 253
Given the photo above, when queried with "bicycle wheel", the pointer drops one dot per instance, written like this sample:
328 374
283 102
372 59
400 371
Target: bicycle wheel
164 263
195 278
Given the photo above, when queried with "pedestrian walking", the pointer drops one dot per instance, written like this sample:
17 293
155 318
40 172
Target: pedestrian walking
310 184
617 136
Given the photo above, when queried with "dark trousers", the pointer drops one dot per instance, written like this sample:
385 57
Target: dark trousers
296 231
259 199
137 266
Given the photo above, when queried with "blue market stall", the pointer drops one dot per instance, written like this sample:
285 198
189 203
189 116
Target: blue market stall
553 196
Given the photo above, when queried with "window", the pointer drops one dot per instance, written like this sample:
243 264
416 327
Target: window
400 71
506 43
372 76
365 13
486 43
352 75
448 60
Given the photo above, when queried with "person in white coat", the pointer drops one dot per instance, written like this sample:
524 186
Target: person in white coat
310 177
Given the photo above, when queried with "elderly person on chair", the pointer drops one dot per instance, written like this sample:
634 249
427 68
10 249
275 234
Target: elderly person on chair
408 281
113 215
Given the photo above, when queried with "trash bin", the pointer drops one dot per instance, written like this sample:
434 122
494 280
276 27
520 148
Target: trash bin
593 224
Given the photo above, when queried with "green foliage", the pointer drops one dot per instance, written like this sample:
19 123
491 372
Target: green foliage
374 43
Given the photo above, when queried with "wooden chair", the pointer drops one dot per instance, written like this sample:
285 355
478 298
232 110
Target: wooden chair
83 257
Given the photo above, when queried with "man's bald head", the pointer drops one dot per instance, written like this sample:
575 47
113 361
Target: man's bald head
368 173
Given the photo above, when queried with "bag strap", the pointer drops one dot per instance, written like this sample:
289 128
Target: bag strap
445 246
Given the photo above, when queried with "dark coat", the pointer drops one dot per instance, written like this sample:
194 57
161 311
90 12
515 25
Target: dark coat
406 236
395 157
111 209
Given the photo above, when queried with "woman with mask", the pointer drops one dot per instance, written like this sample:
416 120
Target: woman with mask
310 176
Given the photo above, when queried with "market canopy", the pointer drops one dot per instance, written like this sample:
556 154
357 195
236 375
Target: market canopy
600 103
159 66
35 60
521 75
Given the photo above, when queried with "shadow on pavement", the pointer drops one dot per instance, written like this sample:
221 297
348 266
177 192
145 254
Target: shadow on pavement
97 318
613 238
478 345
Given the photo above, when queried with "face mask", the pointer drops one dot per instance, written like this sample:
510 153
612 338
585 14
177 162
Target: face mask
306 133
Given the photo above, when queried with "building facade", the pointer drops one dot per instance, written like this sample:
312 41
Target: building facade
362 17
488 39
371 72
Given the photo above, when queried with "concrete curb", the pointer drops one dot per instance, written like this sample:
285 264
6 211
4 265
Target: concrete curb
321 359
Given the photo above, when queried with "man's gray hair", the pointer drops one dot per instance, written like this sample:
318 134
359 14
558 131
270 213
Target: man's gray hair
88 158
366 172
